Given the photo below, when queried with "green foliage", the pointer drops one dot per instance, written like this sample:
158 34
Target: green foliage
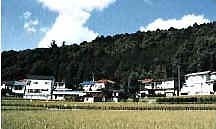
122 58
187 99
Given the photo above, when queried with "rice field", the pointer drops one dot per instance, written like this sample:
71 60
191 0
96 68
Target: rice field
107 119
106 105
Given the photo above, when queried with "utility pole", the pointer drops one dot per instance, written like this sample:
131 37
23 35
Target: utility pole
179 81
93 77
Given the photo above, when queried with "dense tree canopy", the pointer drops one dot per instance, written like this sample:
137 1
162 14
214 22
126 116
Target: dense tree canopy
123 58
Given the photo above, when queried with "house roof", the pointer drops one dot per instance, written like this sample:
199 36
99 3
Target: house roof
213 72
40 77
87 83
198 73
146 80
15 83
105 81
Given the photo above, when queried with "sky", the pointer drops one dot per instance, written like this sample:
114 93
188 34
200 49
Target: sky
29 24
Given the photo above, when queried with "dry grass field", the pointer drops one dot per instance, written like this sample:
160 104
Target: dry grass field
107 119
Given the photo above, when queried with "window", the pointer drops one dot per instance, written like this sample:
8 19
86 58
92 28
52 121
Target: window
35 82
61 84
44 90
34 91
30 91
47 83
18 88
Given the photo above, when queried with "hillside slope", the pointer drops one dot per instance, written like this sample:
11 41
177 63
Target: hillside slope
123 57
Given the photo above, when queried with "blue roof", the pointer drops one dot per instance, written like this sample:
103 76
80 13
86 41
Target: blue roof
87 83
15 83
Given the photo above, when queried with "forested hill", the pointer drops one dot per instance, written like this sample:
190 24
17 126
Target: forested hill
122 58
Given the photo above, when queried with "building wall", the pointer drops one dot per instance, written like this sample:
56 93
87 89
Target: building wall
18 91
198 79
94 87
38 89
213 76
167 84
197 85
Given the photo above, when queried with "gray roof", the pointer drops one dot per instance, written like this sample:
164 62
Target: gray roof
15 83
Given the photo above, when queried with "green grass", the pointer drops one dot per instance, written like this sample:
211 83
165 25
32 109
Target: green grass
100 119
21 108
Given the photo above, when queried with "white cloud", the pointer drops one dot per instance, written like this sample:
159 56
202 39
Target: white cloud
70 23
27 14
30 24
184 22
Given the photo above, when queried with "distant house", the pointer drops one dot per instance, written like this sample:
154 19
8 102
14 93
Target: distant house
92 85
60 92
100 90
39 87
96 85
150 87
200 83
15 88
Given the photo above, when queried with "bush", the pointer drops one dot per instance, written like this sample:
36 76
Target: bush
187 99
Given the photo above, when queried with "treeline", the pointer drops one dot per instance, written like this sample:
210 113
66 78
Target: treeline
124 58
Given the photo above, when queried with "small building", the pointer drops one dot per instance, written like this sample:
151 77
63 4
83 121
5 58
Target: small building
92 85
100 90
60 92
15 88
150 87
39 87
200 83
63 94
93 96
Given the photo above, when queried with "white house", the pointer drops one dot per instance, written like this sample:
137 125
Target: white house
15 88
94 90
200 83
92 85
39 87
157 87
60 92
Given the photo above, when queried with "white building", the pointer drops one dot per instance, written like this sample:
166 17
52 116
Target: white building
150 87
39 87
200 83
92 85
15 88
94 90
60 92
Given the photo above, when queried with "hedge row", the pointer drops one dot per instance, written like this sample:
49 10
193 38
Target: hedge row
188 99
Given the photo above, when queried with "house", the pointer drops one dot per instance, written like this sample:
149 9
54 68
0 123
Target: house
200 83
151 87
96 85
62 93
94 96
39 87
15 88
93 91
100 90
92 85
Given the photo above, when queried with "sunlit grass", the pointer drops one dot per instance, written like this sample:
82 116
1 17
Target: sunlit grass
99 119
